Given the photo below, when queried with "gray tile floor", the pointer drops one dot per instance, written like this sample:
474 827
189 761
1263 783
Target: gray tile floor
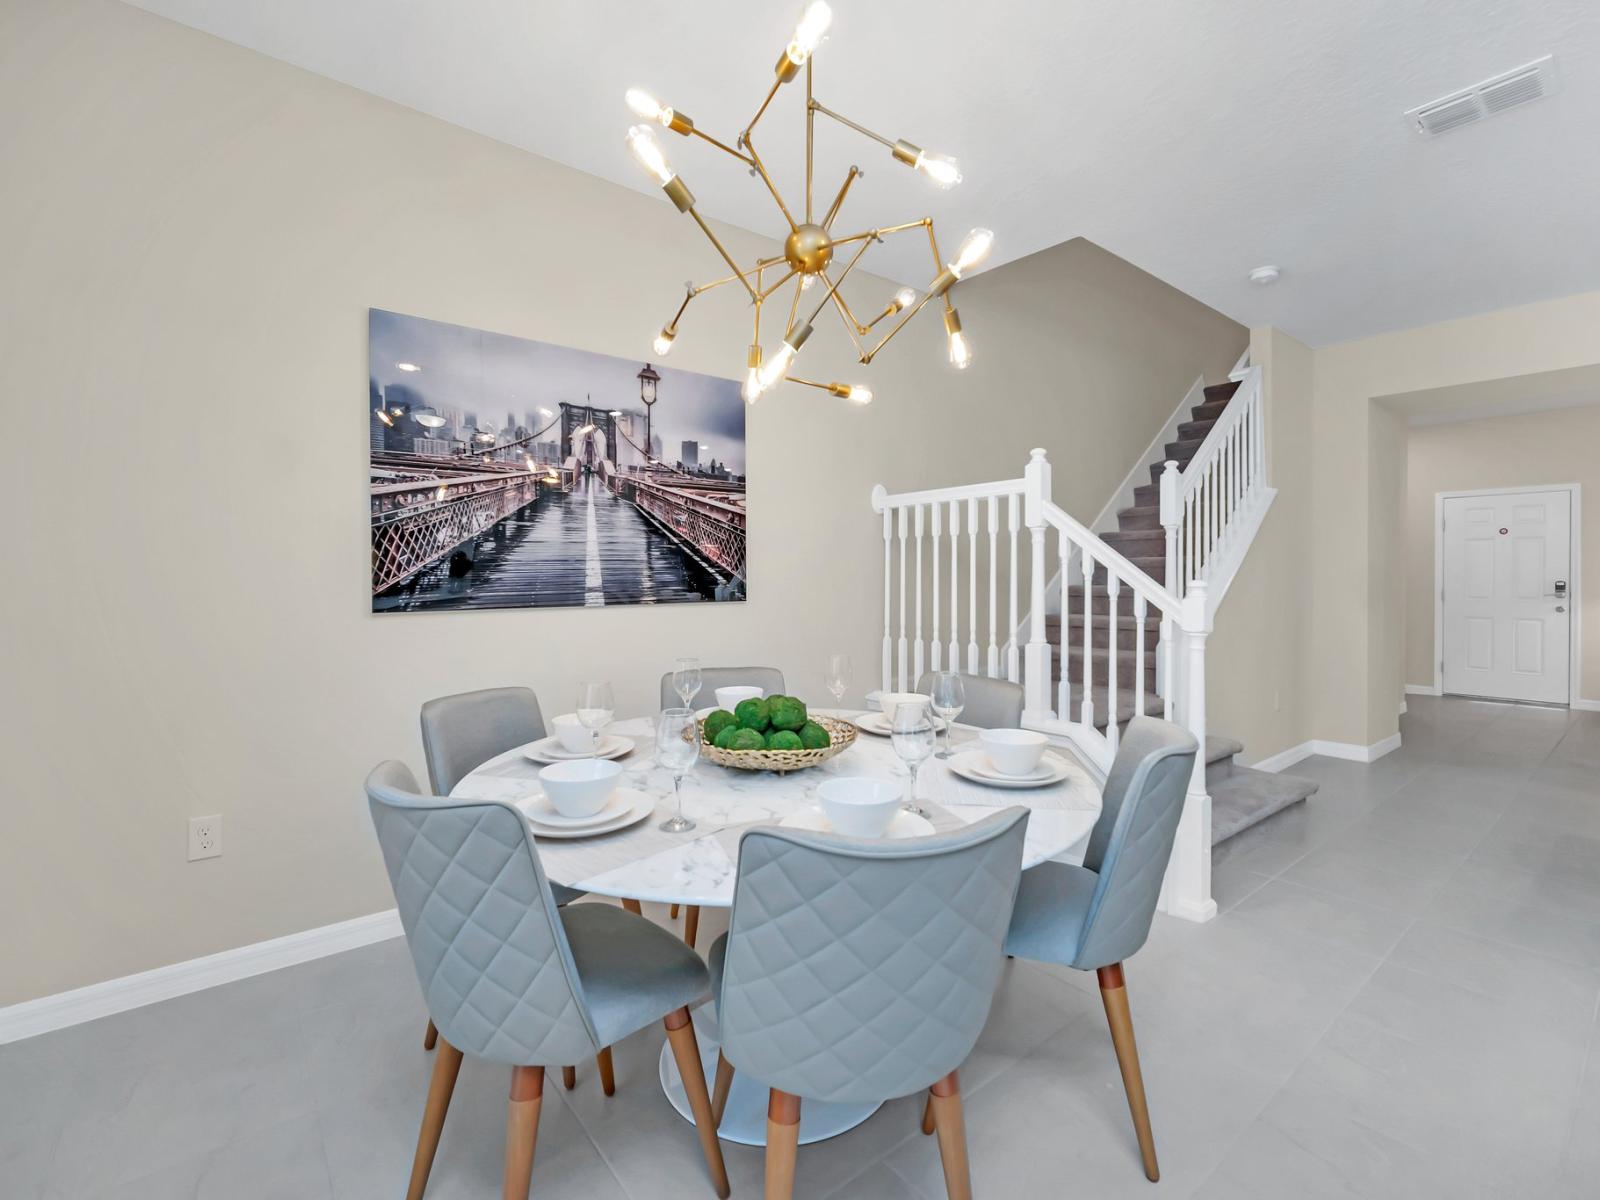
1399 999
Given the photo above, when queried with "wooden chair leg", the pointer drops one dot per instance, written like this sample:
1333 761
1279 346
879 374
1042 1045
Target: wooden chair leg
445 1069
673 912
431 1038
783 1143
633 907
691 924
686 1052
945 1099
719 1090
927 1115
1114 994
608 1075
569 1077
522 1129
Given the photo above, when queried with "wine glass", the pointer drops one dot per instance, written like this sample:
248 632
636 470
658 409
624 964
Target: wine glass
595 707
837 676
677 749
911 732
686 680
949 698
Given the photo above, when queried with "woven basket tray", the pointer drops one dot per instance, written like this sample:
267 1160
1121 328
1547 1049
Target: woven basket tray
840 735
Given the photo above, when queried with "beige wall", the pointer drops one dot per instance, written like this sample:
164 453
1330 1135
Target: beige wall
1258 654
1530 450
1358 625
194 236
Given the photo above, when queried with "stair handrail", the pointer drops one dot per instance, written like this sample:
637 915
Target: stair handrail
1202 502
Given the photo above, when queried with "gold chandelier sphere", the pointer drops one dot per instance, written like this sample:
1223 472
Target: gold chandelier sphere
810 244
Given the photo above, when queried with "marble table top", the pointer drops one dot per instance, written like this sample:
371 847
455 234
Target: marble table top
697 867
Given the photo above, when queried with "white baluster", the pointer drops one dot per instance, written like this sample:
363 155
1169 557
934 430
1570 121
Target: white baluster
888 585
1170 479
1138 654
1086 707
1036 674
972 586
1113 702
916 647
1166 683
954 658
994 586
903 641
935 648
1064 686
1013 521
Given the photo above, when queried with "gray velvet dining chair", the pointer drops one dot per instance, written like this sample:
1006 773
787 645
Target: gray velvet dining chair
768 679
857 971
990 703
462 732
1097 916
511 978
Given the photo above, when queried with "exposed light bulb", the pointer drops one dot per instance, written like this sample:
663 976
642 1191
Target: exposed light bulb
384 417
647 151
752 389
940 168
858 394
647 106
905 298
809 33
775 369
960 351
428 419
663 342
974 249
408 366
806 281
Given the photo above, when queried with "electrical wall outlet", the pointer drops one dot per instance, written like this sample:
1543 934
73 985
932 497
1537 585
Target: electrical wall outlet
205 837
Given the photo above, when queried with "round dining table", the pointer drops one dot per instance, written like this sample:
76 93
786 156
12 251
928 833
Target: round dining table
698 867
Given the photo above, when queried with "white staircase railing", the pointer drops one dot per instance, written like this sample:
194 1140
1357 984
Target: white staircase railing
1204 506
1117 606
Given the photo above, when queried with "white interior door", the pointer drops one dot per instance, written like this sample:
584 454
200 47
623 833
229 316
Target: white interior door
1506 608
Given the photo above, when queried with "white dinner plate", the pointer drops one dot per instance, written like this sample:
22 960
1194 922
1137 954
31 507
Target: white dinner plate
904 825
638 806
975 765
550 749
877 724
539 809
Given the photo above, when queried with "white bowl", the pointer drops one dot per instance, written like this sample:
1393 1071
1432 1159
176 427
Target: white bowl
569 731
859 807
1014 751
580 788
729 697
889 701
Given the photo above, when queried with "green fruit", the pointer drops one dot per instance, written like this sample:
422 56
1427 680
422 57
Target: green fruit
784 739
724 740
814 736
753 714
717 722
786 712
745 739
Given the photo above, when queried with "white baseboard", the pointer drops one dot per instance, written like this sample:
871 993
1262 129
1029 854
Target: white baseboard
1349 751
1191 911
1586 705
47 1013
1421 689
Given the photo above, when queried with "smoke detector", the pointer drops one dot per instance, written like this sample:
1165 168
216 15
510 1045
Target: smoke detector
1491 97
1262 276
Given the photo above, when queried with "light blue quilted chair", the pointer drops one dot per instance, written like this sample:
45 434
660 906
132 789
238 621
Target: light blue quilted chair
990 703
857 971
1096 916
509 977
768 679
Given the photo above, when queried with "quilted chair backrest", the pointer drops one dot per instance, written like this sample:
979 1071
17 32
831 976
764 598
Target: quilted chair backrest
1132 840
990 703
768 679
465 731
484 932
862 970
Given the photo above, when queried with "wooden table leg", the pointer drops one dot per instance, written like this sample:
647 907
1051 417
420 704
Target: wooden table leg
633 907
691 924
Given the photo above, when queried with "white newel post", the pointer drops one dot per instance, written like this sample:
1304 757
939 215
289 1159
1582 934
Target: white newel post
1036 662
1171 518
1186 891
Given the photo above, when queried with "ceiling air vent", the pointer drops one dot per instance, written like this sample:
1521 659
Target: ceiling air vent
1486 99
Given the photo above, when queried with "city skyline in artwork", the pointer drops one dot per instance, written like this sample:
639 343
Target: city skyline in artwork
509 473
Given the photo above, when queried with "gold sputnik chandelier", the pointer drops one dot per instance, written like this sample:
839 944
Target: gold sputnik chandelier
810 245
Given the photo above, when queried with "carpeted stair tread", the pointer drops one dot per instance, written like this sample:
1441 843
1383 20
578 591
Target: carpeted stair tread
1139 517
1222 391
1195 431
1248 797
1209 411
1219 748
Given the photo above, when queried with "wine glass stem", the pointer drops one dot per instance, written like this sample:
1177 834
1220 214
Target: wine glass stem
677 794
911 794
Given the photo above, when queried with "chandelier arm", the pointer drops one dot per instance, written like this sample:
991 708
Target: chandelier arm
723 146
745 137
870 234
899 325
822 108
765 292
810 122
833 210
933 244
852 326
767 179
833 285
794 306
807 383
722 250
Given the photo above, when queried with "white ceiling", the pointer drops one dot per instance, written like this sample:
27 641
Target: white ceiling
1571 388
1195 138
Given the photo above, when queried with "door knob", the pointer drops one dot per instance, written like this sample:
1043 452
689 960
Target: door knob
1561 608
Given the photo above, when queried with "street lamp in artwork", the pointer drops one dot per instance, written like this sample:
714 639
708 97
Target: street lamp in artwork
648 378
